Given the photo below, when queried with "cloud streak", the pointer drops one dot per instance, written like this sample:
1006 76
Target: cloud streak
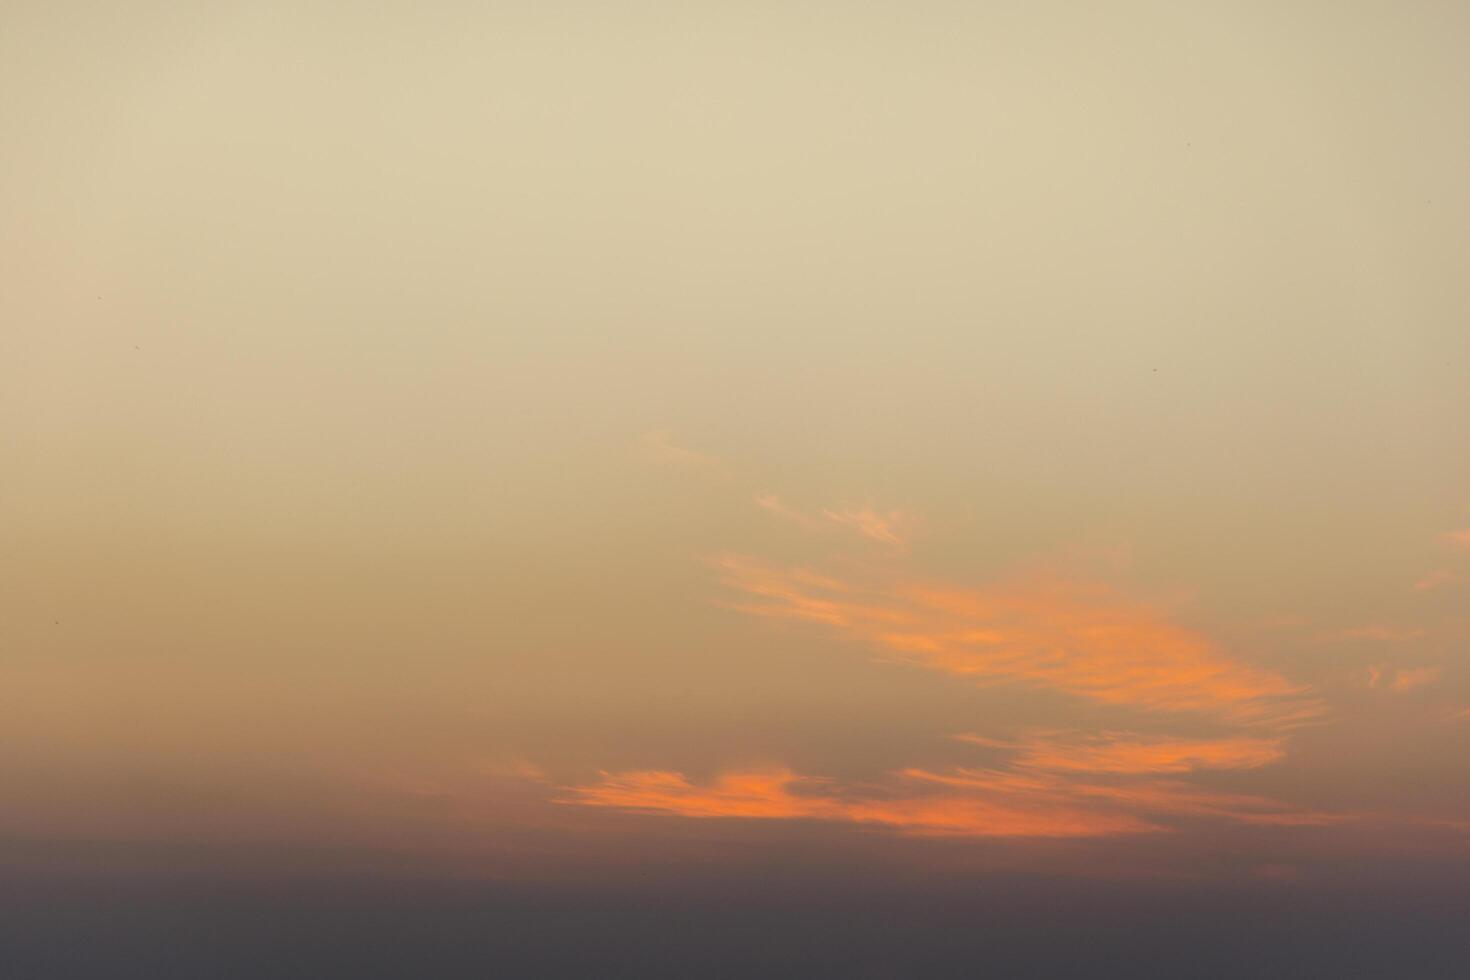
775 505
954 803
1414 677
781 794
659 447
1401 681
1115 752
883 528
889 528
1078 638
1436 579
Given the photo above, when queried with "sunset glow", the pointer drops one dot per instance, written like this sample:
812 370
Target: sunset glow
729 490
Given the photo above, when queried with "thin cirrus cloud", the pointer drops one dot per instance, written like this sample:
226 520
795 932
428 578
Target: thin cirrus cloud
775 505
956 803
659 447
1159 798
891 528
1114 752
1077 638
1403 680
1414 677
883 528
780 794
1436 579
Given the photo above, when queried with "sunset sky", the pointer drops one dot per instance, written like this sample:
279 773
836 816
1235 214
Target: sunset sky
977 458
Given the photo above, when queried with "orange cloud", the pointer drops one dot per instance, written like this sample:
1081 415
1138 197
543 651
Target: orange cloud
774 504
886 528
1407 680
784 795
1460 537
1112 752
963 802
870 524
1402 680
1155 796
1077 638
659 447
1436 579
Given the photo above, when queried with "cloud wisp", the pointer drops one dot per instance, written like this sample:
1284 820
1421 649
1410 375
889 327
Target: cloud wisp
912 809
1437 579
1413 677
659 447
1078 638
891 528
883 528
955 803
1400 680
1129 753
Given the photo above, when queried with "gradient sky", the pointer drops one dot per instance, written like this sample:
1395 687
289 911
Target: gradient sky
562 443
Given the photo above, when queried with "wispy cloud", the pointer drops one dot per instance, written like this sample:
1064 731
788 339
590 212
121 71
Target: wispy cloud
1079 638
1406 679
1436 579
1126 752
659 447
781 794
1415 677
1155 797
886 528
1460 538
775 505
890 528
959 802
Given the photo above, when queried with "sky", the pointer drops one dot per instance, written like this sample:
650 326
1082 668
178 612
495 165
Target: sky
785 489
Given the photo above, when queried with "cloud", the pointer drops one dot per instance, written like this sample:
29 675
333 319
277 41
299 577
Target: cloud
889 528
1436 579
784 795
1408 680
1115 752
884 528
1460 538
1158 797
1078 638
774 504
1402 680
918 802
659 447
